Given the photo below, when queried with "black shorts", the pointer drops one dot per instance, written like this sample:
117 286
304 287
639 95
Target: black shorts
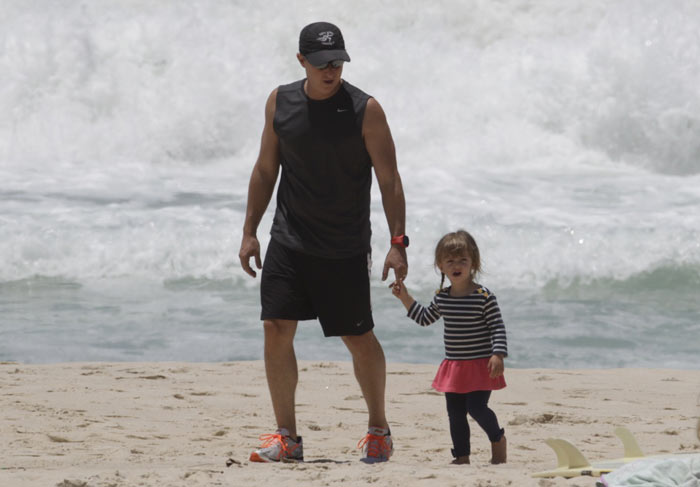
297 286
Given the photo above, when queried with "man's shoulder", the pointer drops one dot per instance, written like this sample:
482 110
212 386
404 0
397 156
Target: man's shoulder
354 90
293 86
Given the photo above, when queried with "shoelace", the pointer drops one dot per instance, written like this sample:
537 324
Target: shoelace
270 439
376 445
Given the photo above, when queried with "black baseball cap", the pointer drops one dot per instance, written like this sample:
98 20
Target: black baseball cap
322 42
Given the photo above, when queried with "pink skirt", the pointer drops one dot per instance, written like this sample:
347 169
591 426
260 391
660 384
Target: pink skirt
464 376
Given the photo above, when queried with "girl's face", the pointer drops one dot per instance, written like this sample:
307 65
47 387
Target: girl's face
457 268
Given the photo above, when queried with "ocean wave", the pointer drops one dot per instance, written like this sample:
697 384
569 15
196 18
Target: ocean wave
666 279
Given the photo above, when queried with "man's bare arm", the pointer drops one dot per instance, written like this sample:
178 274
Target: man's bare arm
260 188
380 146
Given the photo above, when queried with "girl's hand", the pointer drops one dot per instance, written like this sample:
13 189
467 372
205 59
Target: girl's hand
397 288
495 366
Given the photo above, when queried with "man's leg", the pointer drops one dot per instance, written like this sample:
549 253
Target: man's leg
370 371
281 370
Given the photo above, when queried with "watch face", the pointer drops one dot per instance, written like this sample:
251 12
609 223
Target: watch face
400 240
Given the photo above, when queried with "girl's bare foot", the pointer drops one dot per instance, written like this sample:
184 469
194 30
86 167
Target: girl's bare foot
498 451
463 460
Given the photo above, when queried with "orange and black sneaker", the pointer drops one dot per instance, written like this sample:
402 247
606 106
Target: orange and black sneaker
279 447
376 445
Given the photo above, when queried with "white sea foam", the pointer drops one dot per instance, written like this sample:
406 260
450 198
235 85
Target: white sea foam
563 135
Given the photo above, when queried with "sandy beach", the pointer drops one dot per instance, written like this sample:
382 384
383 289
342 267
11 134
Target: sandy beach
177 424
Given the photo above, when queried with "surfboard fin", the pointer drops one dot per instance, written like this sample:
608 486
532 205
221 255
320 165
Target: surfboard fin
630 444
575 458
570 461
562 458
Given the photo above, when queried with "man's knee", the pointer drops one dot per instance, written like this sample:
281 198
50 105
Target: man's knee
366 337
361 343
280 330
365 346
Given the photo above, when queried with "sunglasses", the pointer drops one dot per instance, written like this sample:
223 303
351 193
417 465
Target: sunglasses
338 63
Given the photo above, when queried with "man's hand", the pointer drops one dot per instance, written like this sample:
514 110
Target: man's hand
250 247
395 259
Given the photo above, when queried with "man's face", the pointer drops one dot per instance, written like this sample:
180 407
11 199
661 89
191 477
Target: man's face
323 81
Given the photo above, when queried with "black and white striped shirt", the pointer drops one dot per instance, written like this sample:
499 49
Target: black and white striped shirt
473 324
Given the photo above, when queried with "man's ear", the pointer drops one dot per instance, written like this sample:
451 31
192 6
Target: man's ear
301 59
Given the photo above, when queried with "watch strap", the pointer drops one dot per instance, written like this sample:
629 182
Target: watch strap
401 240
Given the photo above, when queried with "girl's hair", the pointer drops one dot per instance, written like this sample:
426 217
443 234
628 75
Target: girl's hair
456 244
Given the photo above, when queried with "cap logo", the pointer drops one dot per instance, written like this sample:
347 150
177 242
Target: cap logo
326 38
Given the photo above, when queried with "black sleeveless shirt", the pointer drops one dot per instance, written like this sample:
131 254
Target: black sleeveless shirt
323 198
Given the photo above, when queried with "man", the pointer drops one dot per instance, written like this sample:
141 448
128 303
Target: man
327 136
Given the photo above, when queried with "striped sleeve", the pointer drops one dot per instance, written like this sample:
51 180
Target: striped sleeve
494 321
424 316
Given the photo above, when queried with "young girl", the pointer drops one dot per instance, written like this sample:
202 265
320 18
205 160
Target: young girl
475 343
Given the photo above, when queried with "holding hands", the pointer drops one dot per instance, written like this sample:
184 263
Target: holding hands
399 290
397 287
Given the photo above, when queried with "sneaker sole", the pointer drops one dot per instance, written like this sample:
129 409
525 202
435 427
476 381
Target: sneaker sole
254 457
372 460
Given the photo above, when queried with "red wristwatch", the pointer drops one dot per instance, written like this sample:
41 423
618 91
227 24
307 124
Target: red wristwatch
401 240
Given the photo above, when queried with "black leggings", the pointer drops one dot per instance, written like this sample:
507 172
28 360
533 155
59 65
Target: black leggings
476 404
